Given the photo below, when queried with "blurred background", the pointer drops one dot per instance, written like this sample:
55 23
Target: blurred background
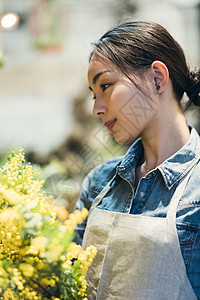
46 106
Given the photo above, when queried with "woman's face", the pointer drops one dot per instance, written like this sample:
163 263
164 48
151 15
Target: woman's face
124 109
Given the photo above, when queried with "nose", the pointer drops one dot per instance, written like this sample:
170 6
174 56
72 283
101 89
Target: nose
99 109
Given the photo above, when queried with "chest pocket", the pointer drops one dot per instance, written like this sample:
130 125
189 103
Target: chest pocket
187 237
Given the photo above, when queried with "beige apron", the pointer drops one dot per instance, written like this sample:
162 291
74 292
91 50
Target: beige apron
139 257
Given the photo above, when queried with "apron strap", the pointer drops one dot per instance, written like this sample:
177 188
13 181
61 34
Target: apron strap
100 196
171 214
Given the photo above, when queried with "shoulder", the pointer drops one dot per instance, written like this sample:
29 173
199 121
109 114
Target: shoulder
102 174
95 181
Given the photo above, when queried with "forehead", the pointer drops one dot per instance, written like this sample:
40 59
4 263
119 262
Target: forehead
99 64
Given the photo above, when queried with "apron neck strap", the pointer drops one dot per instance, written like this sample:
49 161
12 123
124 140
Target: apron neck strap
171 214
100 196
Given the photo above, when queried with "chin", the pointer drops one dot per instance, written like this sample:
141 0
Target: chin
124 139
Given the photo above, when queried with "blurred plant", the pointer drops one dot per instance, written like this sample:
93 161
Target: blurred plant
38 259
1 62
47 24
59 183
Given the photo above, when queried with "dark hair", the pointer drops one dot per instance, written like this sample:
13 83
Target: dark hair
134 46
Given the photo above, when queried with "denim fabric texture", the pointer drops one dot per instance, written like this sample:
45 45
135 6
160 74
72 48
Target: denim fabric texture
153 194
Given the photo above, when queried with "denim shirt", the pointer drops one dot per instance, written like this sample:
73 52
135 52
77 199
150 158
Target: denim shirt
152 195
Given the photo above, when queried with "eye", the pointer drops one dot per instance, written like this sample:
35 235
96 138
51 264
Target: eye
104 86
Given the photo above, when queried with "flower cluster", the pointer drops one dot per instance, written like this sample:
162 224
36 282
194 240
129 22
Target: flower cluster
38 259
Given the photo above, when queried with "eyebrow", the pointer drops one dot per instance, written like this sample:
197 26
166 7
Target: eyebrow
96 77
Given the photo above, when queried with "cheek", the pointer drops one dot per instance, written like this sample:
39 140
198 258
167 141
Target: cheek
122 96
134 109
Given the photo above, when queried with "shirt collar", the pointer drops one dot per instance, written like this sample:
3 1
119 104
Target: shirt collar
172 169
181 162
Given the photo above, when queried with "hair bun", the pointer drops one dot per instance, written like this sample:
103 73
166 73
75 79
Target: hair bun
193 90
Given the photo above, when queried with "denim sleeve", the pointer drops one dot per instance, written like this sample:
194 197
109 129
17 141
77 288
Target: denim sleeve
83 201
193 268
188 226
92 185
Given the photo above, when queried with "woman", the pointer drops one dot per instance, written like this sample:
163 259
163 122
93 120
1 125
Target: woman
144 213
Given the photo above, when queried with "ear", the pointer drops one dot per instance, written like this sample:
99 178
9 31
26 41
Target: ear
160 74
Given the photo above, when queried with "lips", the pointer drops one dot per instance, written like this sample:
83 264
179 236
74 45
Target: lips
110 124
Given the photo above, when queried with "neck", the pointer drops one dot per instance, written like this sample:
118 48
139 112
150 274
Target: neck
163 139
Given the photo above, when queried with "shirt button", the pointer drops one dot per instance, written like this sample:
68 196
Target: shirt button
142 194
122 168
